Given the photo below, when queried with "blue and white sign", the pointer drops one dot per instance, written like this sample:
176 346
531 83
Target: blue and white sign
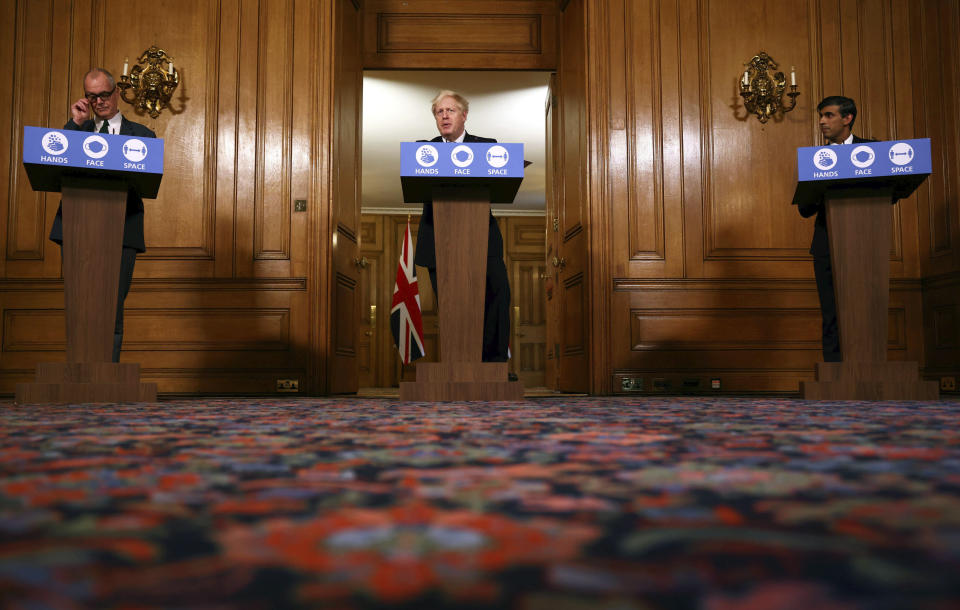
864 160
82 149
452 160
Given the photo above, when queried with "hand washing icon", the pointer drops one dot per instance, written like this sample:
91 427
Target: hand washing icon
426 155
53 143
824 158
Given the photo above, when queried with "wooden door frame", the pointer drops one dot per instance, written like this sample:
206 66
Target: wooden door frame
598 301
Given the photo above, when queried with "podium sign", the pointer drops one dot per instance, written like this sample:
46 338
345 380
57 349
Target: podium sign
49 155
864 160
899 166
427 165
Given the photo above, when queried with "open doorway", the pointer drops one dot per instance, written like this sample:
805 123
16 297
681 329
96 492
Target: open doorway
507 105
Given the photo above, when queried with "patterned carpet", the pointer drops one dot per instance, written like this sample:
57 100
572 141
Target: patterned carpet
554 503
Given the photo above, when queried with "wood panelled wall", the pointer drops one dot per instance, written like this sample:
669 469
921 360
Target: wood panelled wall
698 262
233 292
673 251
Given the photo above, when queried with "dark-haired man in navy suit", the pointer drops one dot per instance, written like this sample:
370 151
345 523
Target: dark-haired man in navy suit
837 116
97 111
450 112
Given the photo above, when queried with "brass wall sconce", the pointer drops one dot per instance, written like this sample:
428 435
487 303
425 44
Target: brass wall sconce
151 82
763 95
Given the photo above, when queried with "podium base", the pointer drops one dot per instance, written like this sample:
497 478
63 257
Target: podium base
458 381
869 381
79 382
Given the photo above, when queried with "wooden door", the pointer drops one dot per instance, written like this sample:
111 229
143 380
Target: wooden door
374 287
343 373
552 243
526 267
570 264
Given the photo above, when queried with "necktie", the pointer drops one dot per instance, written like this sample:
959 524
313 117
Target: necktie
105 127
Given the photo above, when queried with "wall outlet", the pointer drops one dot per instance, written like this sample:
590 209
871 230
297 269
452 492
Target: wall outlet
288 385
631 384
714 383
948 384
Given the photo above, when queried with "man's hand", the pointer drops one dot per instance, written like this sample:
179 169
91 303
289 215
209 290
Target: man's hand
80 111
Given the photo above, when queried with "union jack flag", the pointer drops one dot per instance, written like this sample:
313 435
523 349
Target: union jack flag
406 322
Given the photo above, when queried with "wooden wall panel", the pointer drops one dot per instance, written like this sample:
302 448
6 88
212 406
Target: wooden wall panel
225 299
935 29
460 34
698 193
271 214
754 335
179 224
38 92
636 124
33 330
747 179
8 154
935 33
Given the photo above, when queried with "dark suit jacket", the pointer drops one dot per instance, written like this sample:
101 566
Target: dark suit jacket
425 254
133 224
820 245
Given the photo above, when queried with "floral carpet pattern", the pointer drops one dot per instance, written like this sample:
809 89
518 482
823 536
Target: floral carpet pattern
553 503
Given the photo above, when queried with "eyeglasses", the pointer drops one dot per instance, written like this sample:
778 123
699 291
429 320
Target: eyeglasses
103 96
445 111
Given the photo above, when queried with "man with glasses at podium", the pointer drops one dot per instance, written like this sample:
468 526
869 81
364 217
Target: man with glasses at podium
97 111
837 116
450 113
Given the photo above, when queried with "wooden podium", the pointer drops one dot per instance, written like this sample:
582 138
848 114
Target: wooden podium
93 212
461 223
859 228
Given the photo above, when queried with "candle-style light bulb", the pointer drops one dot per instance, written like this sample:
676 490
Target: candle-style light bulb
793 76
125 63
171 67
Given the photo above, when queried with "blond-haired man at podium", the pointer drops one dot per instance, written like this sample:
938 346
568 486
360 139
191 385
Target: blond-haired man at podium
450 113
